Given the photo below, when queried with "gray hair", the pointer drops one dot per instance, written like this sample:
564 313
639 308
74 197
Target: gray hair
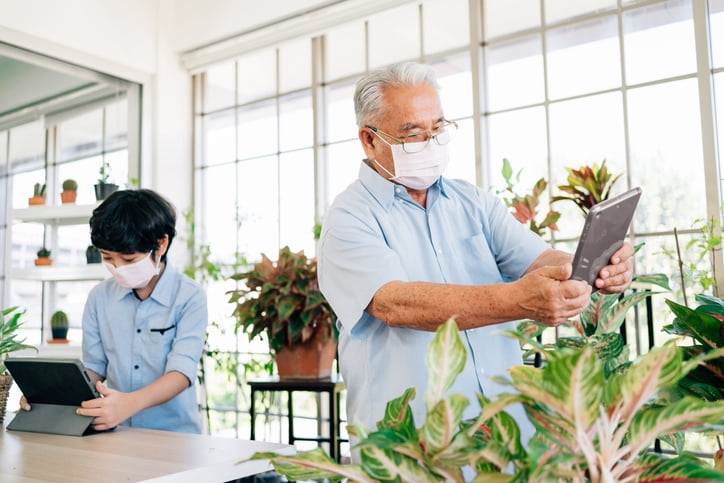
368 94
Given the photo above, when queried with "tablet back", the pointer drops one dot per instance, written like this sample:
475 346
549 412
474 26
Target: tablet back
603 234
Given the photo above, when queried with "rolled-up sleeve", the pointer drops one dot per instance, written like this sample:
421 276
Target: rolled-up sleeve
191 322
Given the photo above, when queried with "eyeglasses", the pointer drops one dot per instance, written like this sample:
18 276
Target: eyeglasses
416 142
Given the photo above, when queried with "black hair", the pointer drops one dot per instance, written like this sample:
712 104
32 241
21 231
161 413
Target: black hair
131 221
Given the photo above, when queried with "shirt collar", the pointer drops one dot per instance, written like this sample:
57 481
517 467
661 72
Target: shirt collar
384 190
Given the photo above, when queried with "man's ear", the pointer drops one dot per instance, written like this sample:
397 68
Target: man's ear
367 139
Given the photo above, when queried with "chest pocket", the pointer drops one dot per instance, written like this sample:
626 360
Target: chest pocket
162 337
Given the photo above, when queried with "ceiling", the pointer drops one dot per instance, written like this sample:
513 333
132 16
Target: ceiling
24 84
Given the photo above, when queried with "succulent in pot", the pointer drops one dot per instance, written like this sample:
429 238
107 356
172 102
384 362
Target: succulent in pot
70 191
59 326
43 257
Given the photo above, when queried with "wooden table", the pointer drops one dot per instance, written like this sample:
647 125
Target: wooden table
128 454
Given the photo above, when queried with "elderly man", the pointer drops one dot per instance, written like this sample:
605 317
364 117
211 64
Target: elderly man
403 249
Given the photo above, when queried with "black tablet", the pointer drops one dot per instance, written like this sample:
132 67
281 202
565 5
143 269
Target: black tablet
603 234
52 381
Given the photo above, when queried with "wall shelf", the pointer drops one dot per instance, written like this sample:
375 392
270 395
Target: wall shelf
68 214
93 271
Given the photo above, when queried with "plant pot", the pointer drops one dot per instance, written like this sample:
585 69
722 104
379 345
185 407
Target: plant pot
68 196
103 190
92 255
310 360
59 333
6 380
36 200
43 261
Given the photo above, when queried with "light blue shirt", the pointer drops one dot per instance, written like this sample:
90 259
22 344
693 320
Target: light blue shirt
132 343
374 233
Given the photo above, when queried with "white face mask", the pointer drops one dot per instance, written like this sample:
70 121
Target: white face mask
418 170
135 275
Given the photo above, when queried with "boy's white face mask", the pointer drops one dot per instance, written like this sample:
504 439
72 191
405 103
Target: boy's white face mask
418 170
135 275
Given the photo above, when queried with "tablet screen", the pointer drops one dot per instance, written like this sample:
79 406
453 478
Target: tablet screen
52 381
604 232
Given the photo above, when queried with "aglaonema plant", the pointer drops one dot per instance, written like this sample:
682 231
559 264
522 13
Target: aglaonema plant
588 427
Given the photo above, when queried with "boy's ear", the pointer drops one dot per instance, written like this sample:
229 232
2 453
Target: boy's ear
162 246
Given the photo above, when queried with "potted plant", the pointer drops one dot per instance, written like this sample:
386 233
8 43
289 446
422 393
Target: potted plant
282 301
103 188
59 327
43 257
38 197
9 342
587 186
70 191
589 428
92 255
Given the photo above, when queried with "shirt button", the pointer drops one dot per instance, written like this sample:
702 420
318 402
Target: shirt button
136 366
138 331
439 252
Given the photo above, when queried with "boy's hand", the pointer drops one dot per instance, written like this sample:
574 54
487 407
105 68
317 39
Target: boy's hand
110 410
24 405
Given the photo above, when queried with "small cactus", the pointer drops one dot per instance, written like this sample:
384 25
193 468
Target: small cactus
43 252
39 189
59 320
70 185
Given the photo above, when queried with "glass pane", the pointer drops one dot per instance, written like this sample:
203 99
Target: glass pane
22 186
519 136
659 41
257 74
516 63
296 122
716 23
445 25
219 138
117 125
296 210
295 65
257 130
219 310
343 164
502 17
341 121
217 224
258 191
72 242
3 152
71 298
456 86
583 58
666 138
119 167
719 96
27 239
394 35
345 50
81 135
28 295
557 10
85 172
219 87
583 132
462 153
27 146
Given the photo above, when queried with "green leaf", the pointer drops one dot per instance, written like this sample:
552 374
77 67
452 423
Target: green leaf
314 465
399 418
445 360
704 328
442 422
659 468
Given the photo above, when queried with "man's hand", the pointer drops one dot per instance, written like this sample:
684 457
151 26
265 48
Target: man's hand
110 410
550 298
616 278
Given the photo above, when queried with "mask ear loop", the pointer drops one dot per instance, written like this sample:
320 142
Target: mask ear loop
392 176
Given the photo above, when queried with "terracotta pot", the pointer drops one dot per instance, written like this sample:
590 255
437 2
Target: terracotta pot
6 380
68 196
43 261
36 200
311 360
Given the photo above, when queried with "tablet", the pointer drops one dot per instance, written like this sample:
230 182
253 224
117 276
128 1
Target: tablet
52 381
603 234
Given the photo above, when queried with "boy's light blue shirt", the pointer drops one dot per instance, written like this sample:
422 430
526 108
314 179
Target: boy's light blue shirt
132 343
374 233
